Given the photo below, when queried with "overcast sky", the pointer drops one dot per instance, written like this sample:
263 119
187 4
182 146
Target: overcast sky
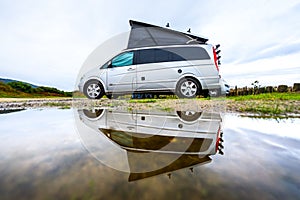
46 42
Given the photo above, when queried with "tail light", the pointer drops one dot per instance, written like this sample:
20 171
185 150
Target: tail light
217 57
219 141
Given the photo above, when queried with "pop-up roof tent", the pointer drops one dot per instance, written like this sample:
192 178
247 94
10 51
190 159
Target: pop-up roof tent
145 35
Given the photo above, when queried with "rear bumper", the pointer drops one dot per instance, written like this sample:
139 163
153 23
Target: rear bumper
213 85
210 83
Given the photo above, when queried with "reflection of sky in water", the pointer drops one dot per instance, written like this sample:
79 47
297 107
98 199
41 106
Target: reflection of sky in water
263 155
41 156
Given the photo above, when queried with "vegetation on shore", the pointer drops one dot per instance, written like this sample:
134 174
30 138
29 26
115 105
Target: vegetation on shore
268 96
18 89
267 104
271 104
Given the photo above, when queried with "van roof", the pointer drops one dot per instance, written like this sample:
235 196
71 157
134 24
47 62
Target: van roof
146 35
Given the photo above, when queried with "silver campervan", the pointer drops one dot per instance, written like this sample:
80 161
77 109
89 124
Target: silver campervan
184 132
157 60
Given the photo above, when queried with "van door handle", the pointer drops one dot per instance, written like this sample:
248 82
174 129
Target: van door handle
130 69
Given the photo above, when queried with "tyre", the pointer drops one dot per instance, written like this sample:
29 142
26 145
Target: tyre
93 90
187 88
189 116
92 113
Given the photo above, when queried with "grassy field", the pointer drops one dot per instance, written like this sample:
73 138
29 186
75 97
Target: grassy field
268 104
269 96
271 104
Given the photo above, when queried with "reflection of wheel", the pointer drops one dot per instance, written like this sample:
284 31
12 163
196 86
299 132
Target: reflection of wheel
189 115
93 89
93 113
187 88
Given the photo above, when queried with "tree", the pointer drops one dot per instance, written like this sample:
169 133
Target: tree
256 86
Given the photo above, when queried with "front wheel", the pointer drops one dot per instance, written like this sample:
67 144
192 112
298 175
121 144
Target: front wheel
187 88
93 89
92 114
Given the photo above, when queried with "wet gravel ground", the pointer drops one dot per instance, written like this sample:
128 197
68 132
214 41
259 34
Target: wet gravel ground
11 103
161 104
250 107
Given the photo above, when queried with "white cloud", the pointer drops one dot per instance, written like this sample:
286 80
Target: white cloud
269 71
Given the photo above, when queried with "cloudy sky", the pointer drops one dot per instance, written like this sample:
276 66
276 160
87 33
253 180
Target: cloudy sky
46 42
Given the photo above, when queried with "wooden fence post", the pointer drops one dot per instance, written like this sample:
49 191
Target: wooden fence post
296 87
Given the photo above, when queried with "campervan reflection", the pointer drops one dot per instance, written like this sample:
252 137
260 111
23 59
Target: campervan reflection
147 165
171 140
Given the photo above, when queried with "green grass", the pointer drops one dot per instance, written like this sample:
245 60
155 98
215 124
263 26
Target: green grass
272 110
65 107
55 104
269 96
142 101
269 104
167 109
77 94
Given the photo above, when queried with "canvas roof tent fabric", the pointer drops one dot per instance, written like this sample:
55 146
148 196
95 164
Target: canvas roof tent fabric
146 35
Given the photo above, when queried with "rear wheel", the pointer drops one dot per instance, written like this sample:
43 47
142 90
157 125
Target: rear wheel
187 88
93 90
189 115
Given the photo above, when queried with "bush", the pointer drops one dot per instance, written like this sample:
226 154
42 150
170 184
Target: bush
20 86
282 88
50 90
26 88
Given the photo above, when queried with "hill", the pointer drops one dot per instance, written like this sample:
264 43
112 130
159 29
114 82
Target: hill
13 88
6 80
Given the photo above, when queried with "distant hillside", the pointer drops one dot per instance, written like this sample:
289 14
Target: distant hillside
7 91
5 80
14 88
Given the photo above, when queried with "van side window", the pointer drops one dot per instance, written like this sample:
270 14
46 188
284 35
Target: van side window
188 53
174 55
123 59
152 56
170 54
162 55
145 56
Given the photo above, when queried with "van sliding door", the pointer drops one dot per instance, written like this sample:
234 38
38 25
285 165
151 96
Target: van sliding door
154 71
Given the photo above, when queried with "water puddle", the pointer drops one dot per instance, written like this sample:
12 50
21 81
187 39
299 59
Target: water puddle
129 154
